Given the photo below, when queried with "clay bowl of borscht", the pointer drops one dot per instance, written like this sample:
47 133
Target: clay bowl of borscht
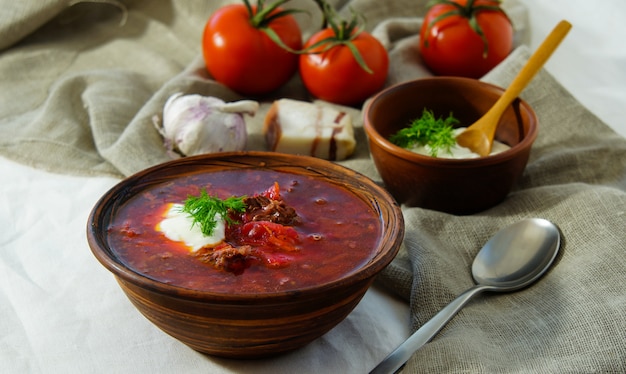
295 247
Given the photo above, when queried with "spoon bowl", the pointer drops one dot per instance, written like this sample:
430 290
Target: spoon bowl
514 258
517 255
478 137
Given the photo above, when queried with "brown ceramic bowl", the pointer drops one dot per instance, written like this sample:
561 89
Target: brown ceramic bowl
457 186
248 325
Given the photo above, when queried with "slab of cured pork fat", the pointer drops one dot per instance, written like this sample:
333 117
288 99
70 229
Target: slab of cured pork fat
303 128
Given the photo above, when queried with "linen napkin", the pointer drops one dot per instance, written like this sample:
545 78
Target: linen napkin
572 319
82 83
81 92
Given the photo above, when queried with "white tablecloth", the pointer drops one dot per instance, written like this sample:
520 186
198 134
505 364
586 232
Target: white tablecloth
57 302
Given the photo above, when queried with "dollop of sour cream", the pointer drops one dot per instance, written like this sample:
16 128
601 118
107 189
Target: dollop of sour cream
178 226
456 151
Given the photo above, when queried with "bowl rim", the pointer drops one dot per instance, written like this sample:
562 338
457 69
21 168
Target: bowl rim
388 249
400 152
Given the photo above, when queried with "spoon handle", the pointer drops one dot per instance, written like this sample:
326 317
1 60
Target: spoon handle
396 359
534 64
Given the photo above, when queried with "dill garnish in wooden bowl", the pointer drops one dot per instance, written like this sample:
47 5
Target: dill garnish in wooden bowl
434 133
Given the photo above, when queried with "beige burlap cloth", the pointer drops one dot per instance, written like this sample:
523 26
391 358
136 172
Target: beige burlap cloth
81 83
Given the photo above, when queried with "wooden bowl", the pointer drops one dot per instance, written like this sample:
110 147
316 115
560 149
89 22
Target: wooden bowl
457 186
247 325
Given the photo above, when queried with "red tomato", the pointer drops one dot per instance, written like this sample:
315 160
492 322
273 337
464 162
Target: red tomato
450 46
273 192
336 76
268 234
243 57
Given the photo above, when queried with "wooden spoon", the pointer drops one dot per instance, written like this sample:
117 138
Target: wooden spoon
479 136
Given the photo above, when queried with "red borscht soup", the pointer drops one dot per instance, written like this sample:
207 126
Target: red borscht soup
337 233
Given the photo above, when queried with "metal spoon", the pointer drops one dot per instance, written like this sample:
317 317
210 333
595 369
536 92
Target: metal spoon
479 136
513 258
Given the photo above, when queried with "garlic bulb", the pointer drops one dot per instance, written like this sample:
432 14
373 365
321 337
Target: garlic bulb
195 124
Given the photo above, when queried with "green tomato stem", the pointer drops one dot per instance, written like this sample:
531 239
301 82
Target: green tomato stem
263 16
345 31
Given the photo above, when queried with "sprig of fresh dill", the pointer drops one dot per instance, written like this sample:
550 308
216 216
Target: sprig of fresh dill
436 133
204 208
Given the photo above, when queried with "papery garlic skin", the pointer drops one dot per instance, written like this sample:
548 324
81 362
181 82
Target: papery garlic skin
195 124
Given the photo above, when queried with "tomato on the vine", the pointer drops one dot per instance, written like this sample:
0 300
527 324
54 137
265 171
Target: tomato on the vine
465 37
249 48
343 64
335 75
